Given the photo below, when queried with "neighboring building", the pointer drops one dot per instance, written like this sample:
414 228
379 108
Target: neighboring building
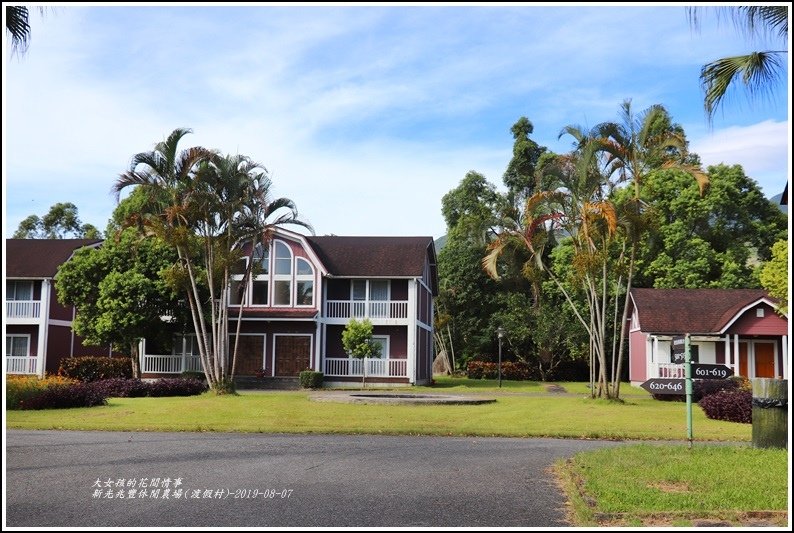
735 327
307 290
38 329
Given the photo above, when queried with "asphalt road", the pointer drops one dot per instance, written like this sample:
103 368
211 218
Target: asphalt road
65 478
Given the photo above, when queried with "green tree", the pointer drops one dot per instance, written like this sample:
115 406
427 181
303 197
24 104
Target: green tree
759 72
118 291
60 222
714 240
774 275
520 176
211 210
472 208
358 343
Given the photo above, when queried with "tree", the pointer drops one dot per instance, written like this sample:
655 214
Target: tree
60 222
118 292
774 275
210 210
712 240
520 176
358 343
758 71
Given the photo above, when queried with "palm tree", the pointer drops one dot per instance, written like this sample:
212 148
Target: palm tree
758 71
18 27
208 207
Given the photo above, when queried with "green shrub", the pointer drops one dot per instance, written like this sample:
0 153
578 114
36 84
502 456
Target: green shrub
88 369
21 389
310 379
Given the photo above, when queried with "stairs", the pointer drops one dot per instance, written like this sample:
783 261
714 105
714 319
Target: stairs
254 383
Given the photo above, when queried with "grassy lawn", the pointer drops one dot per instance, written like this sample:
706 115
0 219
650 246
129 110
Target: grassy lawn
648 485
513 415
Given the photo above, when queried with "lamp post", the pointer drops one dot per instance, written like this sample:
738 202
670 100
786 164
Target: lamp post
500 332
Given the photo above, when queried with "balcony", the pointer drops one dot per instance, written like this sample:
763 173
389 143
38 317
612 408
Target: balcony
23 309
376 368
386 309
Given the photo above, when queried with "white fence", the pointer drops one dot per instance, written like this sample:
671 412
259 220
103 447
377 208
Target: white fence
170 364
366 309
379 368
667 370
21 365
23 309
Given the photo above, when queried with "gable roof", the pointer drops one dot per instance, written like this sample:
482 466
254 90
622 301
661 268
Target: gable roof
678 311
40 258
372 256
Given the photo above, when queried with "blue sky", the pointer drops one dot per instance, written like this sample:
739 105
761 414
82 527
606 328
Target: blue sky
364 116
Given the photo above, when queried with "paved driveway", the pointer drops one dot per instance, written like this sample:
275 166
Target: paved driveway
68 478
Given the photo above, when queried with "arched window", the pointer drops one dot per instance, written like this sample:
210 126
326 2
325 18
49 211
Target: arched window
282 275
304 280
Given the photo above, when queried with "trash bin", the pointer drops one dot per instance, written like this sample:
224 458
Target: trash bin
770 413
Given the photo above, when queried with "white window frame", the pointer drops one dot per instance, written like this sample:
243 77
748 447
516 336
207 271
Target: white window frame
15 284
261 277
25 336
304 278
282 277
384 354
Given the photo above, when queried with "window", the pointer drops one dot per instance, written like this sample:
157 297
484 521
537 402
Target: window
304 279
282 277
259 285
383 341
17 345
19 291
379 296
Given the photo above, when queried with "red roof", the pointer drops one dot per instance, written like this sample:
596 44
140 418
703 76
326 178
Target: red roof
372 256
40 258
679 311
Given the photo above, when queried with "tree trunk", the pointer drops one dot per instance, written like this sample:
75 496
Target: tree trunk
136 362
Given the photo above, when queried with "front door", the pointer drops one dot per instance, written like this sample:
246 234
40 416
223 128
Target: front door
764 359
293 354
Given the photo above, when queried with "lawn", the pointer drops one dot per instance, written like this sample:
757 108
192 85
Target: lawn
516 413
650 485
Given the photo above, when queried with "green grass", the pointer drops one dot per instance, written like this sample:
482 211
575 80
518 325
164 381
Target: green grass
672 485
512 415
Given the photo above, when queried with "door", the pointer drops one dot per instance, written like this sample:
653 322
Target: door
743 360
293 354
764 359
250 354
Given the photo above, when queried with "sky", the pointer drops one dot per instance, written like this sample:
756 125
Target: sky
365 116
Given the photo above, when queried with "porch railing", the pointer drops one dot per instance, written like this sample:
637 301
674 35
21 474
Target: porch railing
170 364
383 368
21 365
366 309
669 370
23 309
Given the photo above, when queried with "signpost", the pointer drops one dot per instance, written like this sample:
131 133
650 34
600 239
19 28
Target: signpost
704 371
678 348
664 386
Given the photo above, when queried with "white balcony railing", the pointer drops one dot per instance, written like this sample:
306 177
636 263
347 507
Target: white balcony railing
170 364
21 365
668 370
366 309
383 368
23 309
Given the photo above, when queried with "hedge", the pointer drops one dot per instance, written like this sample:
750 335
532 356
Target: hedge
88 369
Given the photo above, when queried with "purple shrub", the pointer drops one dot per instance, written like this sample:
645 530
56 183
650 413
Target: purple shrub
176 387
729 405
65 396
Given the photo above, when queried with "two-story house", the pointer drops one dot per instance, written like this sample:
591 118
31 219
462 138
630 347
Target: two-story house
304 293
37 328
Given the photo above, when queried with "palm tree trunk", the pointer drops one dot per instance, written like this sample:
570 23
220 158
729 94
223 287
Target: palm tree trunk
621 349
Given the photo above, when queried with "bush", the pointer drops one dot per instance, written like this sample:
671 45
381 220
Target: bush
729 405
175 387
700 389
20 389
510 370
481 370
62 396
310 379
87 369
122 388
190 374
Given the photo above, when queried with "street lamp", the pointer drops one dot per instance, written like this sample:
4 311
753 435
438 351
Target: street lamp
500 332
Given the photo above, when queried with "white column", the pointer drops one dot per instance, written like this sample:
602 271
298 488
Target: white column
44 320
411 340
727 350
784 338
318 341
736 358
